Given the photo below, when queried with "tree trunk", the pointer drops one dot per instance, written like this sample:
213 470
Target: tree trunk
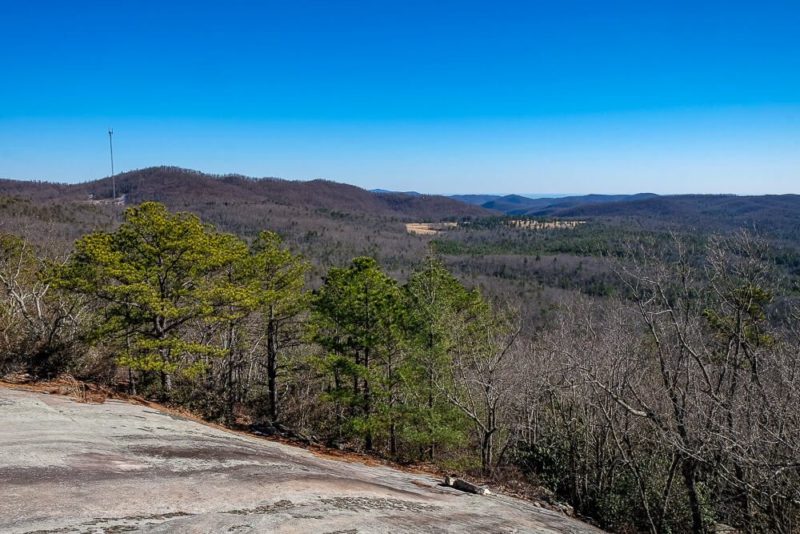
432 445
131 382
367 403
487 451
166 385
166 379
272 364
131 378
689 470
229 406
662 514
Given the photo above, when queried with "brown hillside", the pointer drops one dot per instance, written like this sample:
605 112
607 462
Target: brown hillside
178 187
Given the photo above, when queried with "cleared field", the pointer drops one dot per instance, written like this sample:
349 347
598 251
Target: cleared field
526 224
424 228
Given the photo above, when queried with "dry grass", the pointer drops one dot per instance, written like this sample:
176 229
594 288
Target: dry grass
526 224
424 228
63 385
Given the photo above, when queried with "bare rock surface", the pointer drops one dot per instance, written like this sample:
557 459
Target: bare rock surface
119 467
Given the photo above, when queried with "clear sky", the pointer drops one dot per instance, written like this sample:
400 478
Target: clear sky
439 96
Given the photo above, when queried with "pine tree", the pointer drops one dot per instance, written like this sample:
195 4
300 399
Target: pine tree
438 305
279 278
357 320
152 277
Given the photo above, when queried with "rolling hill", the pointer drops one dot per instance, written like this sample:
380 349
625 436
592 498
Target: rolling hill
478 200
775 215
182 187
521 205
328 222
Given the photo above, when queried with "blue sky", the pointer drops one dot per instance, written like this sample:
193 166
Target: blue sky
441 97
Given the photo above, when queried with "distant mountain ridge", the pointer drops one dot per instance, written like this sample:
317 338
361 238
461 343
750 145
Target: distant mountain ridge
774 215
240 202
705 210
388 192
478 200
184 187
522 205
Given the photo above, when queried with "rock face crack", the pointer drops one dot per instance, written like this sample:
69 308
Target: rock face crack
273 508
111 525
365 504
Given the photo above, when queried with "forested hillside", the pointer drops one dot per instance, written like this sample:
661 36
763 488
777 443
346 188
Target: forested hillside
775 215
182 187
646 374
332 222
521 205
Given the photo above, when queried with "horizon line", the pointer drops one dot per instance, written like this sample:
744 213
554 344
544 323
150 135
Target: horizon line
380 190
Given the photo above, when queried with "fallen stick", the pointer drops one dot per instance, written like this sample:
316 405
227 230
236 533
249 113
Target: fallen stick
463 485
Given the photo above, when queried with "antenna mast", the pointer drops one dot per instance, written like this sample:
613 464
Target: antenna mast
113 180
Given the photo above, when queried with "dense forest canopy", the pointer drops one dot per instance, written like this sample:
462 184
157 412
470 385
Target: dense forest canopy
641 370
